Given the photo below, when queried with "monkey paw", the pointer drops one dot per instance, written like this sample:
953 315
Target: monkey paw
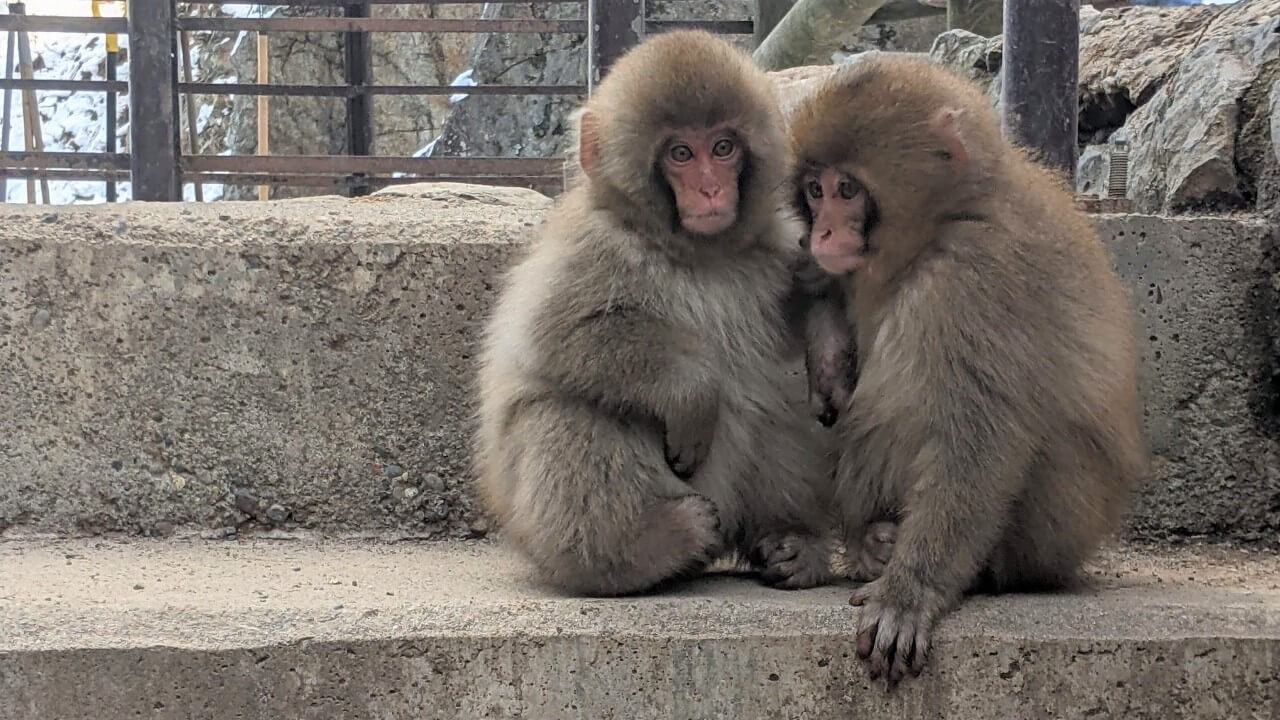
696 519
793 561
895 627
868 556
686 448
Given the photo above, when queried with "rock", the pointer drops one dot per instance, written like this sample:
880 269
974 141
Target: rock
41 320
971 56
1184 152
277 513
1092 169
245 502
1273 109
453 192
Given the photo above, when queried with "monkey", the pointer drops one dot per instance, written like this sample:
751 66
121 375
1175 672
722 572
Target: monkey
633 419
996 412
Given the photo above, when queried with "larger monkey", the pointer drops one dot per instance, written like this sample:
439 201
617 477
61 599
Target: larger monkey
633 424
996 409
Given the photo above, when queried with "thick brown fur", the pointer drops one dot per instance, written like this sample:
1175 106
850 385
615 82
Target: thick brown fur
620 335
996 411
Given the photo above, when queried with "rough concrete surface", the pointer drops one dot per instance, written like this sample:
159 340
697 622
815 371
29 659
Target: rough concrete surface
308 364
275 629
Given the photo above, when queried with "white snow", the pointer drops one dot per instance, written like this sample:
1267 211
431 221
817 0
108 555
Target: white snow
464 79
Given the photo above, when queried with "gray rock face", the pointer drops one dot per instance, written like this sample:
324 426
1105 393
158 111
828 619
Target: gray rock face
1185 137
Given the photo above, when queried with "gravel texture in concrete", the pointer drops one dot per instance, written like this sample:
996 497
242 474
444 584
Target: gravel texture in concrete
307 364
330 629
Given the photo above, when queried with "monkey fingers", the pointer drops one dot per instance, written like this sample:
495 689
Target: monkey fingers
893 637
792 561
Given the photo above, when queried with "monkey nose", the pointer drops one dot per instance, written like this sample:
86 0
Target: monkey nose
710 193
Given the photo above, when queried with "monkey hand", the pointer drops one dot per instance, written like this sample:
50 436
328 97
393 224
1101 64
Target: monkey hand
792 561
896 625
688 442
867 555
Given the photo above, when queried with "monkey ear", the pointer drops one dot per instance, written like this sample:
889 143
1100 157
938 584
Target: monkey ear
946 124
588 142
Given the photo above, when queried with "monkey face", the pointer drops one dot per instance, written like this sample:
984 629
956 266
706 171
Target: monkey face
702 168
839 206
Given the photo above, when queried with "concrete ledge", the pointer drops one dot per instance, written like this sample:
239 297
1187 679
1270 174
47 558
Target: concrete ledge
307 364
179 629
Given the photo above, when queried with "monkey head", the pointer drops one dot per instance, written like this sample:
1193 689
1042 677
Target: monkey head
885 149
684 133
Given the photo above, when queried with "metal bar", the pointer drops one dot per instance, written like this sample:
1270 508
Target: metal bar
336 3
65 85
64 160
342 91
193 138
724 27
47 174
153 105
357 70
8 110
415 25
347 165
1041 70
55 23
320 180
617 25
113 48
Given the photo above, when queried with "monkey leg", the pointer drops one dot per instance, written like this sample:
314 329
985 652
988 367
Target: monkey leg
597 509
1067 508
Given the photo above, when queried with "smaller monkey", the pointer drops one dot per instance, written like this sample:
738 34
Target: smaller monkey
996 410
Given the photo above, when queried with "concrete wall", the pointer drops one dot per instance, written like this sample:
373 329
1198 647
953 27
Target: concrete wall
307 364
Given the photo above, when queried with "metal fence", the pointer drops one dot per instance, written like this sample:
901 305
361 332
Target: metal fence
157 168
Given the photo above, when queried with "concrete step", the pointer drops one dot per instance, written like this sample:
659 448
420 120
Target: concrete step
337 629
308 364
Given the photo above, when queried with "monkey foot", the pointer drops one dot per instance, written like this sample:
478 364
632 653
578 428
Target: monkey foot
793 561
868 556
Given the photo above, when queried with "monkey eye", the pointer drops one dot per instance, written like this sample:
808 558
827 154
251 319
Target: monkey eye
814 188
680 153
723 148
846 189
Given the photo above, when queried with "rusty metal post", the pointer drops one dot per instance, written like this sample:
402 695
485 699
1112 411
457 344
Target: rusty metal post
1041 72
613 27
153 102
357 69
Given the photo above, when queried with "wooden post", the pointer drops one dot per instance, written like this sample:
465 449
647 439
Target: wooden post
357 70
153 102
614 27
193 137
1041 108
8 111
264 108
30 109
981 17
768 14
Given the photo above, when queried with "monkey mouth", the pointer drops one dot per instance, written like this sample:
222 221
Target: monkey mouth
844 263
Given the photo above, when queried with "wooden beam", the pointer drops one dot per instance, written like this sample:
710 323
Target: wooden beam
264 109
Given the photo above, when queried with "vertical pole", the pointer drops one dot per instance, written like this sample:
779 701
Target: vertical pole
981 17
264 109
153 102
113 51
193 138
768 14
1041 71
613 28
8 111
357 68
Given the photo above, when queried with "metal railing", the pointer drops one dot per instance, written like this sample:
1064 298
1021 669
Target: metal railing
157 168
